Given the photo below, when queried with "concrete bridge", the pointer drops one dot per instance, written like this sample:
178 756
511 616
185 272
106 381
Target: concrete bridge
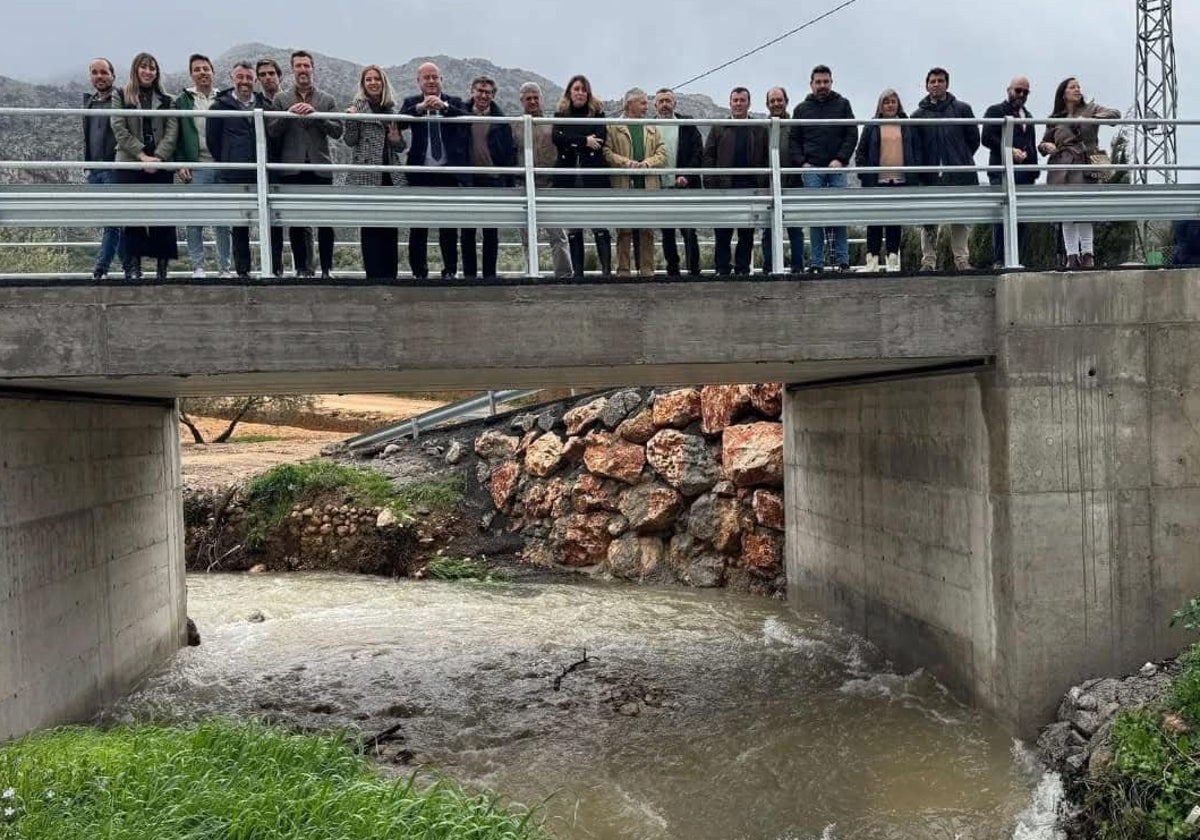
995 478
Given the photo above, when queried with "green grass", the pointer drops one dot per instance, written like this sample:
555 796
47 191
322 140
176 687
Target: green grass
227 781
255 439
457 568
271 496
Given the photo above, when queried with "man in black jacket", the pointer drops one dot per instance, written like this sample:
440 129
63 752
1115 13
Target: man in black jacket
945 145
825 146
100 146
1024 154
435 143
233 141
490 144
685 150
736 147
777 106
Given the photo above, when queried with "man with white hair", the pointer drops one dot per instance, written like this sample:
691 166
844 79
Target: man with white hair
545 154
435 143
632 147
685 149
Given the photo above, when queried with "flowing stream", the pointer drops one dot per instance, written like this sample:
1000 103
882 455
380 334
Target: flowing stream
698 714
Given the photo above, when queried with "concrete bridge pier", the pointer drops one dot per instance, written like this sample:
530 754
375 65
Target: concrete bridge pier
1018 529
92 589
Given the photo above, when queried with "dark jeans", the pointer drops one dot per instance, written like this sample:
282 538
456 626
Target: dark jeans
603 250
418 251
301 238
491 252
239 238
740 258
110 242
156 242
691 250
998 257
795 237
380 252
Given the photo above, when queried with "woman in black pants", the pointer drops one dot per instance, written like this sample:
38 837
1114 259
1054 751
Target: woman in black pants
145 140
581 147
375 143
886 145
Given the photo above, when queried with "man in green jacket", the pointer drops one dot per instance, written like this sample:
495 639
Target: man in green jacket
193 148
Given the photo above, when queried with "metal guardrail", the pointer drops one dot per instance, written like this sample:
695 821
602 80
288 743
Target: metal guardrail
413 426
528 207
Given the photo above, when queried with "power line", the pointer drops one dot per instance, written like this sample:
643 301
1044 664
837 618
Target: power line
770 43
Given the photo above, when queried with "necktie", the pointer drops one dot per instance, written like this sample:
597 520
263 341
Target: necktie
435 140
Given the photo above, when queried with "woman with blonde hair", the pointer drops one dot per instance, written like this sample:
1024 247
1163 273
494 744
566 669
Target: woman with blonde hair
1073 144
886 145
580 145
375 143
145 140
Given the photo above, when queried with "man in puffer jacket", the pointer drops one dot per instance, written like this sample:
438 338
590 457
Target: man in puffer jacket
945 145
824 146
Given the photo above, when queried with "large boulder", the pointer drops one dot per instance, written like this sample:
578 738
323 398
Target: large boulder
581 539
753 454
583 417
592 493
695 564
683 461
768 509
767 399
496 446
545 499
610 455
650 507
639 428
720 405
677 409
503 483
716 520
619 406
762 550
544 455
635 558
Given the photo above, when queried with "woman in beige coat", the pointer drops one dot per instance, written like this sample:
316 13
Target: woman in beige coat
633 147
1073 144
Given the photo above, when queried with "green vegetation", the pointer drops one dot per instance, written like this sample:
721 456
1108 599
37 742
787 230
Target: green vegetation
224 780
458 568
1152 784
255 439
271 496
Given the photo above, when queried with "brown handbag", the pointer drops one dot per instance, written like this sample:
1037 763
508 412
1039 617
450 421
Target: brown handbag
1100 176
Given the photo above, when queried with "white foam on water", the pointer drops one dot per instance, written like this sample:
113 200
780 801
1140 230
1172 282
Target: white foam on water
1039 821
775 631
888 686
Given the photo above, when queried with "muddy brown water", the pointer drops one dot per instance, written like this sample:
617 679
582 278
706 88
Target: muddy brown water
698 715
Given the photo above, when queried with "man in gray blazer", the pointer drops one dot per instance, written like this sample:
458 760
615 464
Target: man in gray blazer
306 140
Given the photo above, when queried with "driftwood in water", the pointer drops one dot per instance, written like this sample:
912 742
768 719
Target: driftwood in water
558 680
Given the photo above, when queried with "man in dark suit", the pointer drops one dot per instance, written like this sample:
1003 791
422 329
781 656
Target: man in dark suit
435 143
1024 154
685 149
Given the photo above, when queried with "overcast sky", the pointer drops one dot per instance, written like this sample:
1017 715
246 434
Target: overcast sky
621 43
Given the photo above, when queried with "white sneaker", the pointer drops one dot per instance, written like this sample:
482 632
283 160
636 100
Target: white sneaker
198 274
893 262
872 262
224 275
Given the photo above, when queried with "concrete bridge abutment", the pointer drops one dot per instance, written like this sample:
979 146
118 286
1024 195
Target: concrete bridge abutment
92 589
1023 527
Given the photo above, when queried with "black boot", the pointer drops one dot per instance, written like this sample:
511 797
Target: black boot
575 246
161 271
604 250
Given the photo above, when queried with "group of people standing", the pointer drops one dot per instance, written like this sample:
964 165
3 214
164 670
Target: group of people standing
584 151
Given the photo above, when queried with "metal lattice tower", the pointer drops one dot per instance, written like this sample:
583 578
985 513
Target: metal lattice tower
1157 90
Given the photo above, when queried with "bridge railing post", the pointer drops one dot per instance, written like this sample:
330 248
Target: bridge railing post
262 193
531 214
1012 243
777 240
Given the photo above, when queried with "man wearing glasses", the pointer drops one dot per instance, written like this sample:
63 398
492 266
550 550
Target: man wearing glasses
1024 155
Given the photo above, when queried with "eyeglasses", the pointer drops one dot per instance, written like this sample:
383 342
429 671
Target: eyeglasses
1021 91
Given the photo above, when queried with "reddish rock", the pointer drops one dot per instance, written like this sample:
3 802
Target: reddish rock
528 439
767 399
762 550
720 405
504 483
717 521
651 507
537 553
768 509
573 450
639 428
581 539
753 454
635 558
582 417
684 461
592 493
544 455
496 446
677 409
545 499
614 457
